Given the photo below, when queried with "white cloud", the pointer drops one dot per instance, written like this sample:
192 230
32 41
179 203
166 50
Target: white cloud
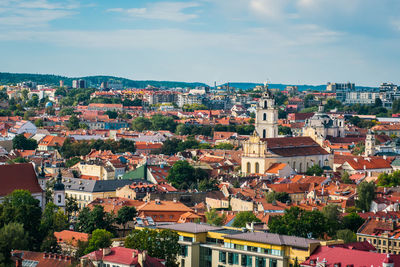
171 11
31 14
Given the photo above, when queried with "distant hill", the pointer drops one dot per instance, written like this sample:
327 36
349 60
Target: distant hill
49 79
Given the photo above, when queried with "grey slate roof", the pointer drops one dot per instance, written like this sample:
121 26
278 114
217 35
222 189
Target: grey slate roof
269 238
93 186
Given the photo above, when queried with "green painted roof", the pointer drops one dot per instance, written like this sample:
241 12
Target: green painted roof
138 173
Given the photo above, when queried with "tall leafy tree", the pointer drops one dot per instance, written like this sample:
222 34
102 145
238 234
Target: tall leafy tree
140 124
53 219
100 238
244 217
366 193
315 170
352 221
346 235
90 220
73 122
213 218
126 214
21 207
160 244
12 236
299 222
181 172
21 142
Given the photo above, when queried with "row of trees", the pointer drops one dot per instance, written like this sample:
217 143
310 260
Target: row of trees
72 148
316 224
174 145
160 122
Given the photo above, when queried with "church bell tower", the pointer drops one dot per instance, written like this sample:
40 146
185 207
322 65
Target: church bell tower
267 115
59 192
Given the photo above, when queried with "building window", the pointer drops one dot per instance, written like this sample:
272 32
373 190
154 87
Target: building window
265 116
222 257
273 263
248 167
247 260
264 133
260 262
184 251
257 168
233 258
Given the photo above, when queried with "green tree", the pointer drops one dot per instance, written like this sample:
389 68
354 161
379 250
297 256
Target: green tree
244 217
279 196
160 244
283 130
71 206
53 220
389 180
125 214
50 244
71 162
224 146
332 215
359 149
21 142
181 172
111 114
39 123
140 124
396 106
73 123
315 170
346 178
100 238
299 222
21 207
346 235
160 122
352 221
97 218
12 236
213 218
366 193
67 111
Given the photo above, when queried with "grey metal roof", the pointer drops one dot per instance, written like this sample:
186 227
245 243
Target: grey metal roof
269 238
190 227
92 186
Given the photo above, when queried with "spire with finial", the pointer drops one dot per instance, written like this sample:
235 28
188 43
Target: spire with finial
59 186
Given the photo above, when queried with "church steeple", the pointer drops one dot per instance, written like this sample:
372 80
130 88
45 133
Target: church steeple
59 191
267 115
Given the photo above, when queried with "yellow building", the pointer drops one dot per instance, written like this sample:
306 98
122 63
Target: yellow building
210 246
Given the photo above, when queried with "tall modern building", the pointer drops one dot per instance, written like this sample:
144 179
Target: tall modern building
79 83
341 89
388 92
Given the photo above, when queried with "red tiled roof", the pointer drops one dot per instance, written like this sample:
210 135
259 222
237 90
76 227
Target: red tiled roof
348 257
46 259
372 163
18 176
71 237
294 146
124 256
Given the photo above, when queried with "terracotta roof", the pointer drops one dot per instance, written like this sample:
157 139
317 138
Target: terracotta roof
71 237
44 259
293 188
276 167
371 163
348 257
294 146
18 176
164 206
124 256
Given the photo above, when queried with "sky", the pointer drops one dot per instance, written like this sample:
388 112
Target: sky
279 41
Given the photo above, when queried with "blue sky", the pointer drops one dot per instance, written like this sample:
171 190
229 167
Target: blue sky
283 41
